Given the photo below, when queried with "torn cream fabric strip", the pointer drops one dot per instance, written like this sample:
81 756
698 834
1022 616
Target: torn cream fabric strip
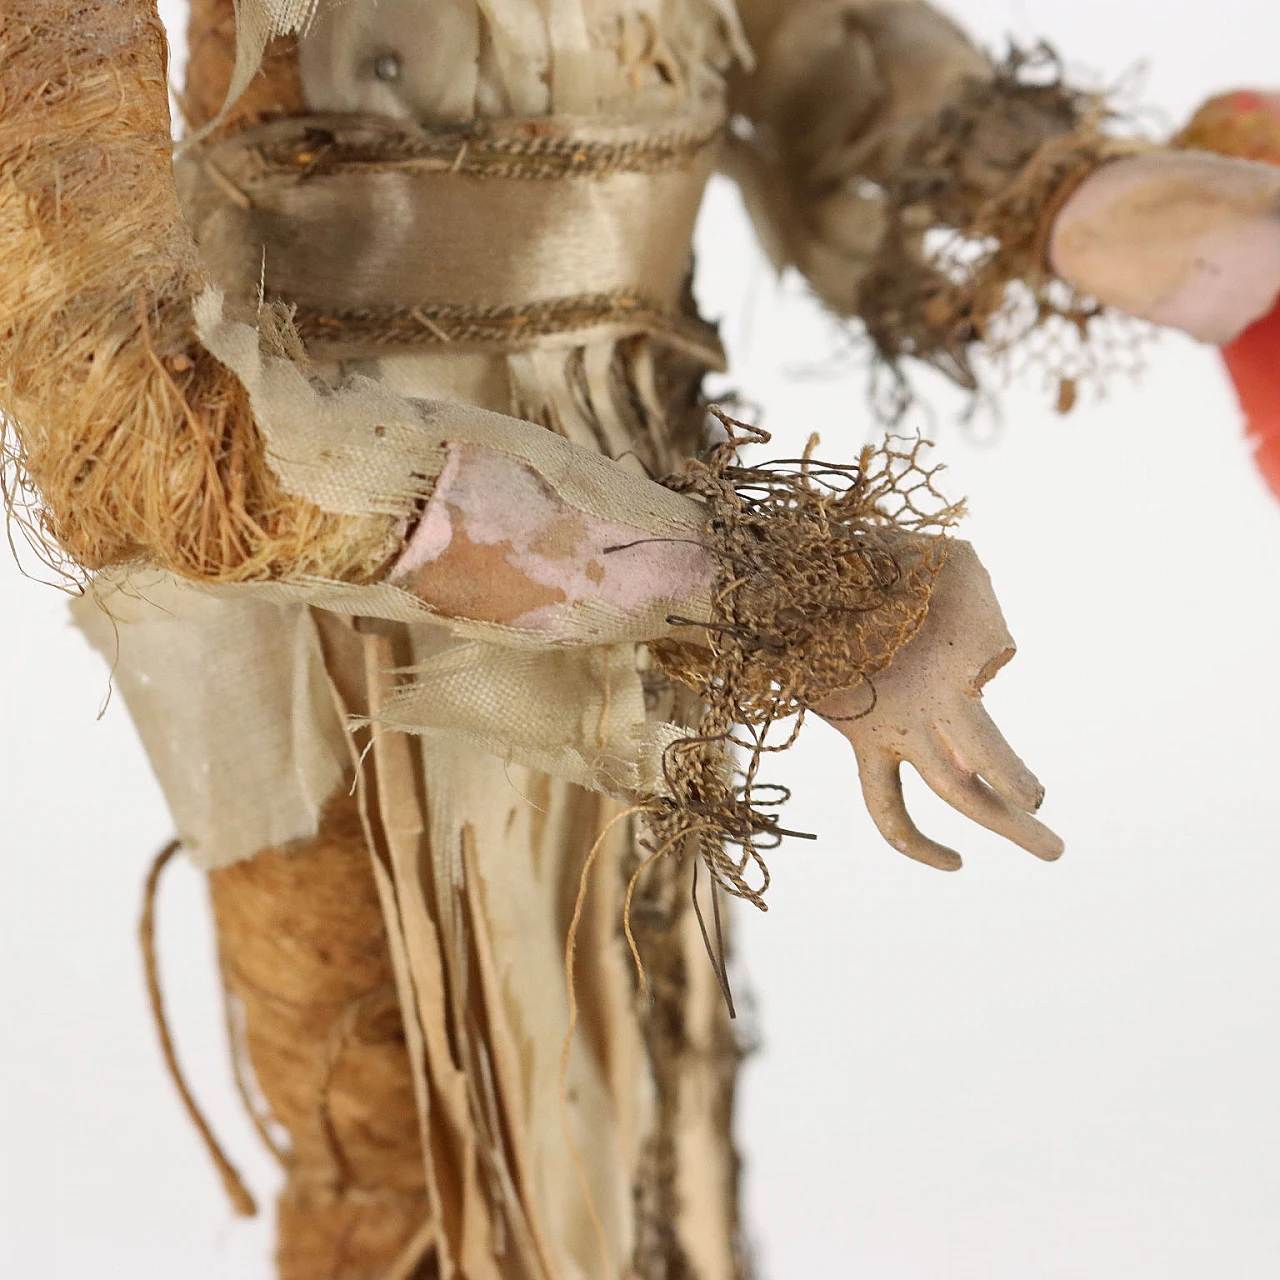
363 449
478 863
258 22
229 692
482 899
233 705
577 715
482 880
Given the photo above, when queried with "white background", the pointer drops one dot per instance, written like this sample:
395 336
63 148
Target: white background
1019 1072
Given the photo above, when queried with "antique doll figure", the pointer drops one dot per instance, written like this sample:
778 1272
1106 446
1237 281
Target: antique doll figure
392 590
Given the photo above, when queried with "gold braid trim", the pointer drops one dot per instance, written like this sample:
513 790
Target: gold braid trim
541 150
443 323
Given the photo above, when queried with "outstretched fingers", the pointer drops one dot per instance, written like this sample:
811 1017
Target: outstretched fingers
976 745
882 791
965 792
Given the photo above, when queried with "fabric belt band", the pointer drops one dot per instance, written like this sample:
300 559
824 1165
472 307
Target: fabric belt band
387 235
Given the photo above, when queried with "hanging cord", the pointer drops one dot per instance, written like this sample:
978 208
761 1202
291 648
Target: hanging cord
241 1200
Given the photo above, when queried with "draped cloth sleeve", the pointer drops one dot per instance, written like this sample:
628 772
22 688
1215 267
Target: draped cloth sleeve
868 128
839 89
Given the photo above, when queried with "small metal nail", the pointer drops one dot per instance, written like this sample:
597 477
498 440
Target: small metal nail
386 67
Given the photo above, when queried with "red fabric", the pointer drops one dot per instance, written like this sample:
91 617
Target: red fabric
1247 123
1247 101
1253 361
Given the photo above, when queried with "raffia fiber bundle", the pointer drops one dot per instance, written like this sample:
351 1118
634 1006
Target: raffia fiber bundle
139 443
136 444
308 974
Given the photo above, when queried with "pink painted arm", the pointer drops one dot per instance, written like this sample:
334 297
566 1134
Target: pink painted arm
497 544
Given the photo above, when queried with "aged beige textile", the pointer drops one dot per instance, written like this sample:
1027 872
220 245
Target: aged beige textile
479 851
479 818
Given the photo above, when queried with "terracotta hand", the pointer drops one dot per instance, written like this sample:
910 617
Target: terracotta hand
927 712
1189 239
495 545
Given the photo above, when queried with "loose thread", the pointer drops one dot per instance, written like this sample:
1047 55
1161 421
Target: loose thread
641 976
571 995
714 950
241 1200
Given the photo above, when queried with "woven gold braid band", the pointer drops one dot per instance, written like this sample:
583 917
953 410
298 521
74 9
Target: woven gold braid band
505 234
505 327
